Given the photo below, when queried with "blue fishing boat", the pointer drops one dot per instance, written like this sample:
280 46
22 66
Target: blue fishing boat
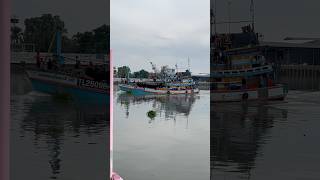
80 82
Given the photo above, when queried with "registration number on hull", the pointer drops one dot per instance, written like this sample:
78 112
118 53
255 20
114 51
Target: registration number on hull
92 84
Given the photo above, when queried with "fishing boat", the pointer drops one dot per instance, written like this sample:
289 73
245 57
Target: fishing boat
239 70
62 83
245 76
166 81
78 81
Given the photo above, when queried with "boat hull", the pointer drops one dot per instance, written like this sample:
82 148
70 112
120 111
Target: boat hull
147 91
57 84
278 92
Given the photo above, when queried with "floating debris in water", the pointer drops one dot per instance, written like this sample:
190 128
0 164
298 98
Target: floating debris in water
151 114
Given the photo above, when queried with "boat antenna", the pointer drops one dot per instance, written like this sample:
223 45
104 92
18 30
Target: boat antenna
213 16
229 16
252 13
188 64
154 68
176 67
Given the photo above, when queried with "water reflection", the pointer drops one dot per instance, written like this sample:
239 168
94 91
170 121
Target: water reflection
57 139
168 106
238 134
172 145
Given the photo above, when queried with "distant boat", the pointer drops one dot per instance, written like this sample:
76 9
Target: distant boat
166 82
159 88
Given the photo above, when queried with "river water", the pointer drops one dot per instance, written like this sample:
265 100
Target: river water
278 140
56 139
172 145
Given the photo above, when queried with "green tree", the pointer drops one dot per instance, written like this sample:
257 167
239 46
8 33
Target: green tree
102 39
85 42
41 30
95 41
123 71
69 45
16 34
141 74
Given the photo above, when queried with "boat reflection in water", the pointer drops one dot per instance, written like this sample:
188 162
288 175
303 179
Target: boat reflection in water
167 105
162 136
239 132
52 138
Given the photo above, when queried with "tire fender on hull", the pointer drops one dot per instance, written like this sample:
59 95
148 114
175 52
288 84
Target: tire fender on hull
245 96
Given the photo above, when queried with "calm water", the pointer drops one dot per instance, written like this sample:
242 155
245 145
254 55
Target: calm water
55 139
267 141
173 145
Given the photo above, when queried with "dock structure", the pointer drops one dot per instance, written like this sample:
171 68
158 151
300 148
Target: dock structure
292 53
297 64
70 58
300 76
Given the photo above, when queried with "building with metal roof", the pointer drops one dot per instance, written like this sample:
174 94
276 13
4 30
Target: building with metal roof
292 53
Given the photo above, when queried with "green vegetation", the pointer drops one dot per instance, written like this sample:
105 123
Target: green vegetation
151 114
141 74
41 30
123 72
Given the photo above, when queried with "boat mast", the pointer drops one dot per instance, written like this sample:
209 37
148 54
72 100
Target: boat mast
252 13
58 48
229 17
213 18
188 64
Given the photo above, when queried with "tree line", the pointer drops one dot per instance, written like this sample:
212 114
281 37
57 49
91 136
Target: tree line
125 71
40 31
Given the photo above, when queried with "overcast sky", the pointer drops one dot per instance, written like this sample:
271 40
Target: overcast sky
165 32
275 19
